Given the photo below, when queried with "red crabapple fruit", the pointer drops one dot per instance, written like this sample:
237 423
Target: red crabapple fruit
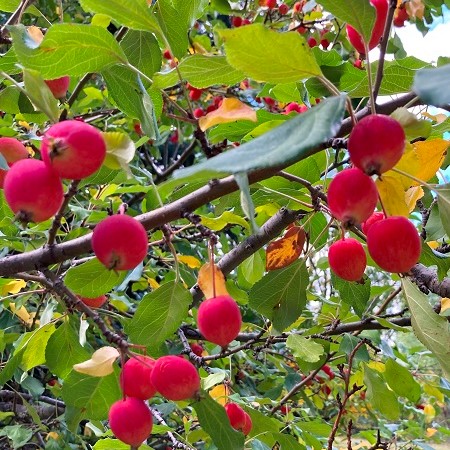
355 38
12 150
394 244
130 421
58 86
352 196
94 302
239 419
375 217
376 144
33 191
401 16
120 242
175 378
74 149
197 349
283 9
135 377
248 424
347 259
219 320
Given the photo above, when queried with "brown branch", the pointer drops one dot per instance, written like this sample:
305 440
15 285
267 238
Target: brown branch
16 16
428 281
6 395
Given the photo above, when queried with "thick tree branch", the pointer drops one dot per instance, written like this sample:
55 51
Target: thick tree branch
428 281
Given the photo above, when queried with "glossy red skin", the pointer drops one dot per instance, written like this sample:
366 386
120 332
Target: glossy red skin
327 369
312 42
96 302
295 107
375 217
135 377
195 94
347 259
271 4
236 21
283 9
394 244
33 190
376 144
198 112
352 196
175 378
131 421
236 415
78 148
219 320
248 424
400 17
12 150
197 349
58 86
120 242
354 37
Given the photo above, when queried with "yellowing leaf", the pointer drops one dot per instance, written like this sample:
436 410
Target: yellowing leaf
415 8
438 118
377 365
219 223
13 287
429 412
392 196
431 155
230 110
153 283
35 34
190 261
120 150
286 250
434 391
220 394
445 304
22 313
211 281
409 163
412 195
431 432
100 364
433 244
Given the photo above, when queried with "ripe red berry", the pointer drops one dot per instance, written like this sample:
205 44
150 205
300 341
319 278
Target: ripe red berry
219 320
358 63
394 244
347 259
324 43
120 242
239 419
302 30
401 16
197 349
130 421
327 369
167 54
248 424
198 112
295 107
33 191
12 150
355 38
375 217
74 149
236 21
270 101
174 138
96 302
376 144
175 378
135 377
285 409
352 196
298 6
195 94
58 86
312 42
283 9
271 4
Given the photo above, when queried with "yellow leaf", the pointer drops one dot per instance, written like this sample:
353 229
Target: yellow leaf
100 364
205 281
409 163
415 8
429 412
190 261
445 304
284 251
377 365
120 150
431 432
433 244
153 283
431 155
220 394
22 314
392 196
13 287
412 195
433 391
230 110
52 435
438 118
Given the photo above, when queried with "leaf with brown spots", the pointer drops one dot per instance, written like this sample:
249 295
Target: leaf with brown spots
286 250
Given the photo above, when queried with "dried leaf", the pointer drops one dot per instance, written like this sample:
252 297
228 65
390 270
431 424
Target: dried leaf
412 195
220 394
230 110
209 288
392 196
415 8
100 364
286 250
190 261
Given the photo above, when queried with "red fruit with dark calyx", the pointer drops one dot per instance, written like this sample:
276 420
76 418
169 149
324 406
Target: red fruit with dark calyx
219 320
283 9
58 86
347 259
175 378
355 38
120 242
74 149
394 244
312 42
236 21
352 196
239 419
96 302
135 377
376 144
130 421
12 150
375 217
324 43
33 191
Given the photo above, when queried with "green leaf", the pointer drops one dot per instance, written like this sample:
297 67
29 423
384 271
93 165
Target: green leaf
385 323
18 434
67 49
8 62
175 17
92 279
378 394
256 51
120 150
430 328
115 444
304 349
294 140
349 343
64 350
134 14
433 85
219 223
261 423
353 293
34 347
94 395
281 294
443 193
201 71
159 314
360 14
214 420
401 381
430 257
